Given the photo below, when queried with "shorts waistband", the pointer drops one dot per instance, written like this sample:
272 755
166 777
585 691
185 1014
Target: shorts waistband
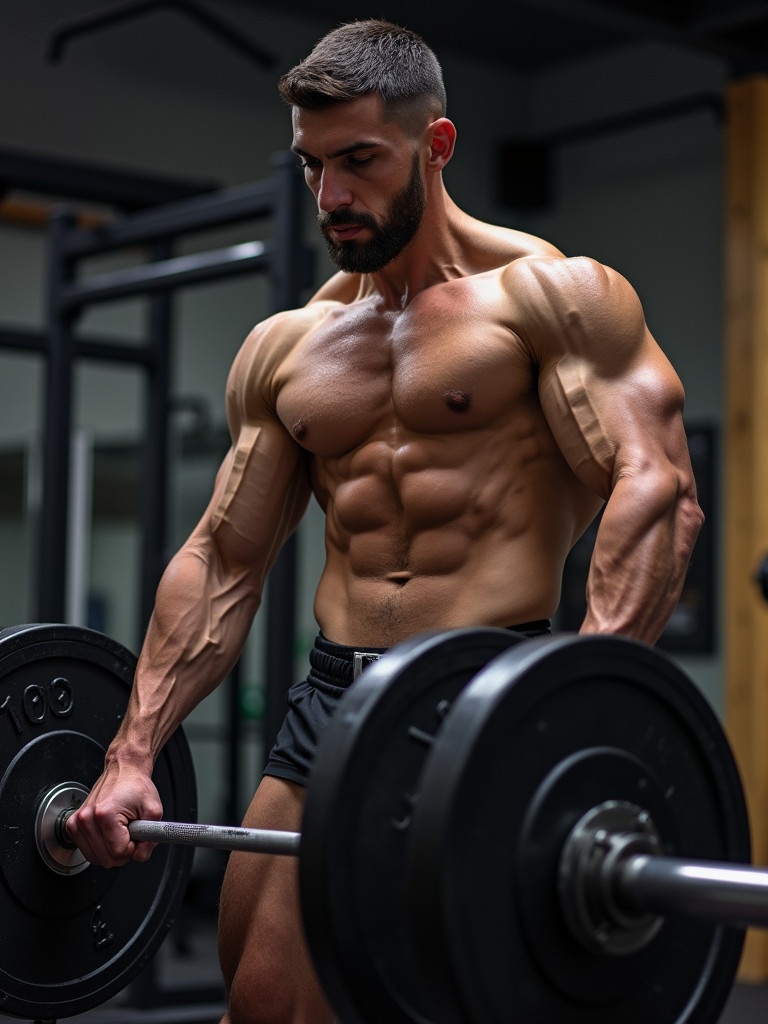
535 628
340 665
335 663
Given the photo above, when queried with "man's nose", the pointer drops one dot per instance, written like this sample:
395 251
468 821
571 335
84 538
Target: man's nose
332 193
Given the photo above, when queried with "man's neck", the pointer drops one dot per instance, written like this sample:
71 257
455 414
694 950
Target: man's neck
437 253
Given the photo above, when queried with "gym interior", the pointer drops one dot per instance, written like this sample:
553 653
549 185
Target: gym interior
150 216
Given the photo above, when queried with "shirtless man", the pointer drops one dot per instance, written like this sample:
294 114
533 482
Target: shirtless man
461 400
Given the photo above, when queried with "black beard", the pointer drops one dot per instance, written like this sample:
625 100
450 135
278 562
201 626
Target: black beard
400 225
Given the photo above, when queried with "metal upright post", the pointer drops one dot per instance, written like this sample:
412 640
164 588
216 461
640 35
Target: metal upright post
146 991
289 253
154 477
287 272
51 560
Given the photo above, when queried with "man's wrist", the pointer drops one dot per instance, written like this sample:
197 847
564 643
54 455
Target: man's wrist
130 752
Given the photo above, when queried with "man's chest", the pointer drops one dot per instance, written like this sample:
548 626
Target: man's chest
438 367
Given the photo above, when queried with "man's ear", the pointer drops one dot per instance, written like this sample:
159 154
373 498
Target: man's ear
442 142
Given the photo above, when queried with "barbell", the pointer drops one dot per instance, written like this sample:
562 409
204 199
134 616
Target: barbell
495 830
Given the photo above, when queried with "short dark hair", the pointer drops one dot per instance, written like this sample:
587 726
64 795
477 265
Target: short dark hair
363 57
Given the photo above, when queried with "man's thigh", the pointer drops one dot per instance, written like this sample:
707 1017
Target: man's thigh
259 896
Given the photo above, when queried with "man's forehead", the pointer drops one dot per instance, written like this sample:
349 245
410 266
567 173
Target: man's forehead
340 125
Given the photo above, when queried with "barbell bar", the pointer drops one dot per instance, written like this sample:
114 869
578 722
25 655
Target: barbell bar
217 837
601 866
490 824
723 893
183 833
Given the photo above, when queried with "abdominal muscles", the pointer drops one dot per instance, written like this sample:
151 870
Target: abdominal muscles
436 534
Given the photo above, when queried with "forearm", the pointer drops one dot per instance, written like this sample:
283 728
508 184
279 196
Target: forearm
200 622
641 556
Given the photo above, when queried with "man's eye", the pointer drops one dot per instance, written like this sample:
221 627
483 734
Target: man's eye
360 161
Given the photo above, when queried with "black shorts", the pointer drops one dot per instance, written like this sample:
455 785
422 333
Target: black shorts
312 702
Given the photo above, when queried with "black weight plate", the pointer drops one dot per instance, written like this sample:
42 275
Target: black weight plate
70 942
547 731
364 786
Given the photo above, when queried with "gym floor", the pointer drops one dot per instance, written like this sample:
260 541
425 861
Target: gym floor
748 1005
188 961
183 983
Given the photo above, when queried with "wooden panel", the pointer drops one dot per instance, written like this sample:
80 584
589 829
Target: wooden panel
36 214
746 461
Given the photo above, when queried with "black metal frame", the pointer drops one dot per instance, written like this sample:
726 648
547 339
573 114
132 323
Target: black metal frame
289 262
95 183
230 34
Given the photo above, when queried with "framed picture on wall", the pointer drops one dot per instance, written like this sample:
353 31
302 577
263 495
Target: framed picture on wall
692 625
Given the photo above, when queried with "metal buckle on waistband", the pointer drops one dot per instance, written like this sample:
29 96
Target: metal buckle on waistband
361 660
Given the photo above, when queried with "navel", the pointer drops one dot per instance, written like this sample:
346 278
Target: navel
400 577
459 401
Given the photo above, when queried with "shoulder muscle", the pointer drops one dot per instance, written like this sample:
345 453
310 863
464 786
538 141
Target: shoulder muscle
581 308
606 387
251 384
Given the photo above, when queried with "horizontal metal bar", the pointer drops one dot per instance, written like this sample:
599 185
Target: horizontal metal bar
111 352
101 19
75 179
23 340
216 837
97 349
225 206
723 893
165 274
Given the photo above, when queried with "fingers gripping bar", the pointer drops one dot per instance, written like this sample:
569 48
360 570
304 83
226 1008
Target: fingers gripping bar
212 837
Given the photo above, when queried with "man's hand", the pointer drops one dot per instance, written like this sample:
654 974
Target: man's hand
100 826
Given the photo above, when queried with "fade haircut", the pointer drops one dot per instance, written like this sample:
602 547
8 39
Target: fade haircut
364 57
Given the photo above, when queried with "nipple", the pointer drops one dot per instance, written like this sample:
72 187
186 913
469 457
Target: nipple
459 401
299 430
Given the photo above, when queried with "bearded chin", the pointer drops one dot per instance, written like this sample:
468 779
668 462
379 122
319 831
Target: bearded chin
400 225
367 257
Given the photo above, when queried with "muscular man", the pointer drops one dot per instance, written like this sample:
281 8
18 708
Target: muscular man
461 400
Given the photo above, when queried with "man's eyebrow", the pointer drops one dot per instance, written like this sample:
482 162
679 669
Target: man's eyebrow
345 151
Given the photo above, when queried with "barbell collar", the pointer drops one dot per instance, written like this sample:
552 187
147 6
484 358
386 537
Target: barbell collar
616 886
58 852
602 841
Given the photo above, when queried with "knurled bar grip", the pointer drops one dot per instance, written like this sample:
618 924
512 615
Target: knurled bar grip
216 837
